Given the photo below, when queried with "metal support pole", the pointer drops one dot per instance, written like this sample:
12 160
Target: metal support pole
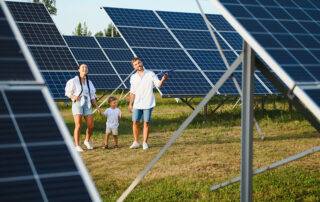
185 101
262 104
205 100
247 123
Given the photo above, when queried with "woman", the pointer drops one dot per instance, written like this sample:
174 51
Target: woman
82 93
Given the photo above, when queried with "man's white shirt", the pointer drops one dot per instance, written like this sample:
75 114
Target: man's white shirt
142 88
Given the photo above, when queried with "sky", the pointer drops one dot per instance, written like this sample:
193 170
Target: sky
71 12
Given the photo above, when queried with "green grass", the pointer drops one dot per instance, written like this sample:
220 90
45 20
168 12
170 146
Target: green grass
206 153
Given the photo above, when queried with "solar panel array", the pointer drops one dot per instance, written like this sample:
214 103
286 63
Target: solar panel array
57 61
101 56
38 162
181 41
286 36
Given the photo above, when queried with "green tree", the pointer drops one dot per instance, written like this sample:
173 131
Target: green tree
49 4
108 32
82 30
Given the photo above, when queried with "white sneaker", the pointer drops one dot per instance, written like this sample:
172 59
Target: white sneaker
145 146
134 145
88 144
79 149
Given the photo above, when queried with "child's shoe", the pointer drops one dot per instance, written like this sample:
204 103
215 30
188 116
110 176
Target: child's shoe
116 146
134 145
105 147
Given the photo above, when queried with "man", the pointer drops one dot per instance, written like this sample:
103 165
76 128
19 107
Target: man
142 100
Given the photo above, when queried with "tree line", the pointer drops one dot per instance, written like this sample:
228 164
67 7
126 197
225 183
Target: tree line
81 29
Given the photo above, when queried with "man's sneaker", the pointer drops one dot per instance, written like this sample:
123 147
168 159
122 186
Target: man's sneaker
88 144
79 149
145 145
134 145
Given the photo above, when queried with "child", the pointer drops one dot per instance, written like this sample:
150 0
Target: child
113 113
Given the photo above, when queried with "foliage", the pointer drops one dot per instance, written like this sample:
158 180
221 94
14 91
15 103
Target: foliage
205 154
82 30
108 32
50 5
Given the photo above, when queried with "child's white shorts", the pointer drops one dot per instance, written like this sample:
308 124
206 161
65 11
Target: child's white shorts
113 130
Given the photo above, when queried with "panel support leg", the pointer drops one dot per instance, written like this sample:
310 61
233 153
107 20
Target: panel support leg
247 123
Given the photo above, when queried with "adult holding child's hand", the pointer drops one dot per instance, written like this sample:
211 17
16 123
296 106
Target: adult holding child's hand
83 94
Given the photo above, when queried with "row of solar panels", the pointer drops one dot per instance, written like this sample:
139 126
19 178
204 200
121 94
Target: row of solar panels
189 49
38 160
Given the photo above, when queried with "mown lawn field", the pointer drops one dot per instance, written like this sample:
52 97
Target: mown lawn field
206 153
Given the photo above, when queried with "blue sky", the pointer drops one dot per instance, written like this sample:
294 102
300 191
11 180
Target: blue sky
71 12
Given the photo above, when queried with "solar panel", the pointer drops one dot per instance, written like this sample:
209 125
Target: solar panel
182 42
87 50
112 42
81 41
44 41
34 166
282 34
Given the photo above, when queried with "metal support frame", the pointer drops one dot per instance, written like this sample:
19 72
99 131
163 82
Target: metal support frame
300 108
205 100
284 90
185 101
247 123
271 166
104 94
219 105
213 36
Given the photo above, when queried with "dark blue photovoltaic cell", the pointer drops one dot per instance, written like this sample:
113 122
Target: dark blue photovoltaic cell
3 108
81 41
287 30
258 88
88 54
58 188
7 127
123 67
52 159
23 102
119 55
185 83
56 81
164 59
315 95
195 39
127 82
34 128
144 37
219 22
133 17
14 163
11 191
211 60
105 81
267 82
27 12
298 74
234 39
112 42
13 66
53 58
99 67
227 88
183 20
41 34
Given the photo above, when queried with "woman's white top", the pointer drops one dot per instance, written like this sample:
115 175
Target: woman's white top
73 87
142 88
113 117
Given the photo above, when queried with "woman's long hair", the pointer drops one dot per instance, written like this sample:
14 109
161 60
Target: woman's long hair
87 81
